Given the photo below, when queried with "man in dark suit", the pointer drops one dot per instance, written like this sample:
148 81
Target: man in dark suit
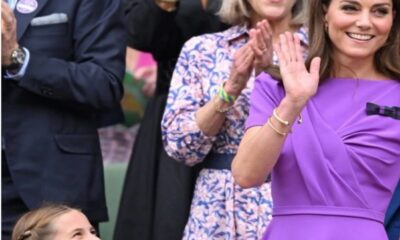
392 220
63 63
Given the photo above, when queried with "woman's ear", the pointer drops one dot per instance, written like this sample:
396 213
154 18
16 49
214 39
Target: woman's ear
324 8
324 11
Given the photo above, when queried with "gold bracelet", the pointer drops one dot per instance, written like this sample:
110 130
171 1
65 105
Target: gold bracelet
286 123
276 116
218 107
269 123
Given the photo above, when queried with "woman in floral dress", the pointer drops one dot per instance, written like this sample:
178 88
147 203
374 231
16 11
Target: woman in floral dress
207 107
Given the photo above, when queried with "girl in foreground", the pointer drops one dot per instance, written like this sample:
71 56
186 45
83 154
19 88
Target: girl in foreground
54 222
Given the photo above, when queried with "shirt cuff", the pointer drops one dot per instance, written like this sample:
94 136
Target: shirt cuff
18 74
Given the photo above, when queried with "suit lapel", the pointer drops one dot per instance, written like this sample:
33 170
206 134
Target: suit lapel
23 19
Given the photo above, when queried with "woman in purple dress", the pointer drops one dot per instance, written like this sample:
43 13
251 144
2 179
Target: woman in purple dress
329 130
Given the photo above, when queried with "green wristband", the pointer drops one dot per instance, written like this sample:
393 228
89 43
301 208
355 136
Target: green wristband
225 96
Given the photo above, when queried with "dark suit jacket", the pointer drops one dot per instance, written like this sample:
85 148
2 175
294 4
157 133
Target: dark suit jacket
392 220
50 115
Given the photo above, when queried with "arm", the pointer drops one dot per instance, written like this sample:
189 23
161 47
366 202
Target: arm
183 139
93 77
261 146
209 119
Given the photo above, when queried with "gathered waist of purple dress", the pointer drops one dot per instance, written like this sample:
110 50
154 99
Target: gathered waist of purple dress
329 211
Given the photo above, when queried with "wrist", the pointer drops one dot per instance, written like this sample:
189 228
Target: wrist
232 89
17 59
294 105
221 106
8 59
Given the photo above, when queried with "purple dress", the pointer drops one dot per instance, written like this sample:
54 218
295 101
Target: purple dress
337 171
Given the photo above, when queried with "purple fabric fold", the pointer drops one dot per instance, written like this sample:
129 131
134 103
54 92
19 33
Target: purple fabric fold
340 162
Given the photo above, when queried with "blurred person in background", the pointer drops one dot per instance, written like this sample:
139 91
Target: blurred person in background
157 191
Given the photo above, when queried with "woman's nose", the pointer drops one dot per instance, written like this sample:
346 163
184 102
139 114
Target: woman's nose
364 20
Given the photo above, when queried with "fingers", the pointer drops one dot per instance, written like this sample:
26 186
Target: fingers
262 36
266 33
6 12
243 58
290 48
298 48
314 68
254 43
7 17
284 50
241 67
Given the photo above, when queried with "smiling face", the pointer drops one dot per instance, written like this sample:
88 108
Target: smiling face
272 10
358 28
73 225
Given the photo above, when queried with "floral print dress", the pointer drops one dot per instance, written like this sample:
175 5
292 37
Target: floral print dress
220 208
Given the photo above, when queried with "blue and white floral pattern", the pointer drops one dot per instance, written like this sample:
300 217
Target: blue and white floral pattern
220 208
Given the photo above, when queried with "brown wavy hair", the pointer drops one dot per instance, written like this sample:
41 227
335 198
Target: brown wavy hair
37 224
386 60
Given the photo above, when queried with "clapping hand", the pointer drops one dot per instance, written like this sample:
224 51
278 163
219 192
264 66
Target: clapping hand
261 44
242 67
300 84
8 33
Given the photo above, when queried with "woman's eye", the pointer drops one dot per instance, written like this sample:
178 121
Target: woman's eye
381 11
93 232
349 8
77 234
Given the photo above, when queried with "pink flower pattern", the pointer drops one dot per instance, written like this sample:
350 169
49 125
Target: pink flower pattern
220 209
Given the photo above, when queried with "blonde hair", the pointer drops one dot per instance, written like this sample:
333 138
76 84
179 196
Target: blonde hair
37 224
236 12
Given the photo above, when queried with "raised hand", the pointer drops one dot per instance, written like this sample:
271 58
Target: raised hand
300 84
261 44
242 67
8 33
